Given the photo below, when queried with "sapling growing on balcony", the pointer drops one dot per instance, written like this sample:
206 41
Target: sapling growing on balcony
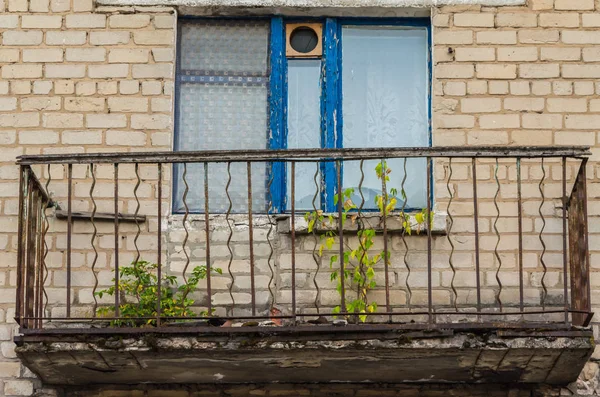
138 286
359 265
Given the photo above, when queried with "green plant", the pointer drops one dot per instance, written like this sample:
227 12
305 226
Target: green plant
359 265
138 287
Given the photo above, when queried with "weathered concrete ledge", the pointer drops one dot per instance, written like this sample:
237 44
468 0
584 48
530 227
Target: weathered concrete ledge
340 356
311 3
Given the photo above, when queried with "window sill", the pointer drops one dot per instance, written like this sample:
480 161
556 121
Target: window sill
371 221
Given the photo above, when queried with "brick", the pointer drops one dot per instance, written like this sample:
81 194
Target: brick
10 368
487 138
109 38
18 388
62 120
524 104
168 21
455 121
474 54
129 87
580 37
129 21
582 122
455 88
476 20
567 105
568 137
519 87
125 138
515 54
454 71
22 37
537 5
41 22
559 20
161 104
21 71
108 71
575 5
539 71
153 37
9 55
560 54
151 88
162 70
127 104
43 55
85 54
22 119
79 104
9 21
497 37
62 87
480 105
150 121
538 36
542 121
562 87
60 5
583 88
498 87
107 87
496 71
590 20
41 103
39 5
64 71
17 5
454 37
591 54
82 21
66 38
516 20
83 6
38 137
42 87
106 120
20 87
84 88
128 55
85 137
4 87
162 54
581 71
499 121
8 104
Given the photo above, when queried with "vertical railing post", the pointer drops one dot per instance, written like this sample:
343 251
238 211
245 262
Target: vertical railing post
69 233
564 237
293 237
159 244
520 231
207 232
386 258
116 226
340 206
30 254
429 180
251 237
21 243
476 225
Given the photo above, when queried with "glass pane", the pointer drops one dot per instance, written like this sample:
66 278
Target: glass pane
222 106
304 127
385 104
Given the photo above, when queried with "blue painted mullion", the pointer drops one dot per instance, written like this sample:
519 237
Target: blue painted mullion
277 111
330 105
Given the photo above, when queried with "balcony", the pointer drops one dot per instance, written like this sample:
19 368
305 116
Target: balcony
289 268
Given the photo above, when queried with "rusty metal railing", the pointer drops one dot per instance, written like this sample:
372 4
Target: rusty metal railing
504 242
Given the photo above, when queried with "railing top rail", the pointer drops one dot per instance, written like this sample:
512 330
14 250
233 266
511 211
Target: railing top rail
221 156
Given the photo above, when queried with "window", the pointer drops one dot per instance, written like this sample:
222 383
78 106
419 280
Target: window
365 85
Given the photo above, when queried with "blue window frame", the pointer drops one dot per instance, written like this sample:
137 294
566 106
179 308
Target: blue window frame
370 87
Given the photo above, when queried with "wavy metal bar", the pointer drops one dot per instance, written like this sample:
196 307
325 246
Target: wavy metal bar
386 258
93 238
403 236
498 300
361 229
316 257
46 248
185 228
542 261
269 238
230 235
137 224
449 237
